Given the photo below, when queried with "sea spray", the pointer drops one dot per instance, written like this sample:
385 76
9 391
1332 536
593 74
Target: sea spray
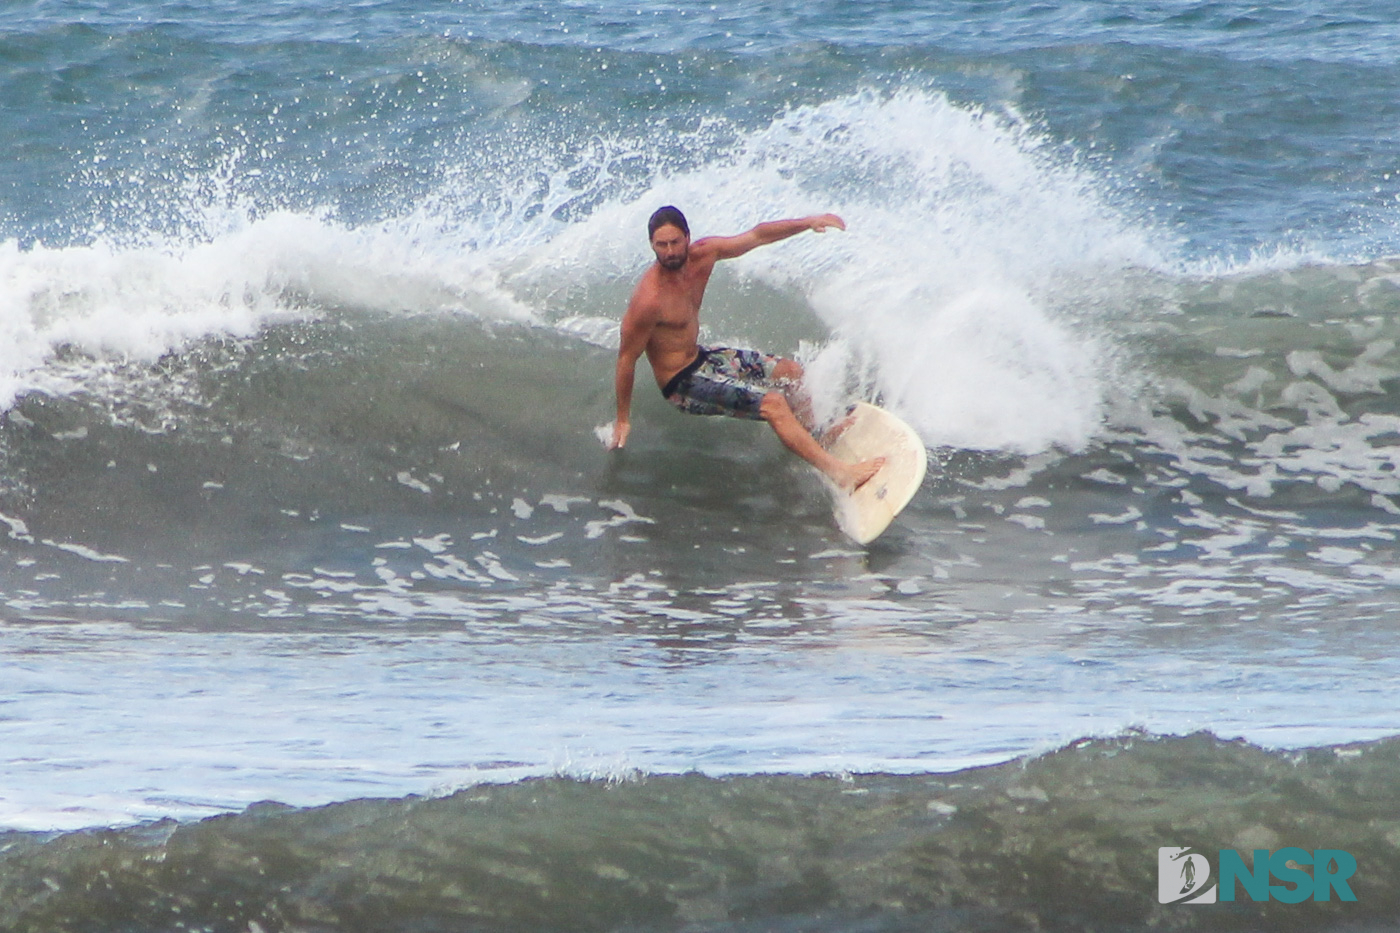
961 224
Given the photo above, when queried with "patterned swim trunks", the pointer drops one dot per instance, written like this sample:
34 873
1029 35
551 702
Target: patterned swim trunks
724 381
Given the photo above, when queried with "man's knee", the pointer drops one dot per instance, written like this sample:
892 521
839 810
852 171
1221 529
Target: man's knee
789 370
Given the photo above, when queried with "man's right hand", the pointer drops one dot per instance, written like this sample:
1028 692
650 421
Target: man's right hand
619 435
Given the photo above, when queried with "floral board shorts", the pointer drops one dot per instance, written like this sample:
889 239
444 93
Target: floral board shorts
724 381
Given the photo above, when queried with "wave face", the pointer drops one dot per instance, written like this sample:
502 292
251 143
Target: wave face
308 315
1064 841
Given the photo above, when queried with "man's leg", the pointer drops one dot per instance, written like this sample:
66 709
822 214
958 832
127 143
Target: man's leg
791 373
795 437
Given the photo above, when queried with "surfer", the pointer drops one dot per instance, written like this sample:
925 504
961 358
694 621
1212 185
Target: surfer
663 320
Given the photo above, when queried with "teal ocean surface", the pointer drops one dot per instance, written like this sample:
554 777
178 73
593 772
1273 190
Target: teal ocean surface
322 607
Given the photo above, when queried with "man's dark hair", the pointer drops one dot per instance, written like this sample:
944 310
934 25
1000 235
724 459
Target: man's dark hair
667 215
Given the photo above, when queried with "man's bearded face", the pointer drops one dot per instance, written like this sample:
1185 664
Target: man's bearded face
671 245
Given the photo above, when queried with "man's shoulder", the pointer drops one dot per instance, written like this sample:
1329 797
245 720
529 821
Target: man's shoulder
708 248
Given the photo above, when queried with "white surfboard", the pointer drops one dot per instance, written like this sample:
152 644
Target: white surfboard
873 432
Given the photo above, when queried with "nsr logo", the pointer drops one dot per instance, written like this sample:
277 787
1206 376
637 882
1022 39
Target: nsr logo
1184 875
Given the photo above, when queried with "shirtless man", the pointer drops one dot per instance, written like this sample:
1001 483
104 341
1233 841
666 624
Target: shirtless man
663 320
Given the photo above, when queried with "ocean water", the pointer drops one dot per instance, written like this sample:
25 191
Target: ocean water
322 608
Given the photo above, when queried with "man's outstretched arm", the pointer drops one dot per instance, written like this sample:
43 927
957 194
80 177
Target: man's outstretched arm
731 247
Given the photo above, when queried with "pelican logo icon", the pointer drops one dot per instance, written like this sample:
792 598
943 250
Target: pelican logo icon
1183 876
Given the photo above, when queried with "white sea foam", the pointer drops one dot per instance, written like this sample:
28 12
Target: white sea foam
236 274
941 297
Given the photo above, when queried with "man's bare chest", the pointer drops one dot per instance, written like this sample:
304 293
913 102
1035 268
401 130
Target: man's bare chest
677 312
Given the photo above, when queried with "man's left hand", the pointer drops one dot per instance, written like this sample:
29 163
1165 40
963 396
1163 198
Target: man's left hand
620 430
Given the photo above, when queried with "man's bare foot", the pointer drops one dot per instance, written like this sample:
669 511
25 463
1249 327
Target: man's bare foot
855 475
